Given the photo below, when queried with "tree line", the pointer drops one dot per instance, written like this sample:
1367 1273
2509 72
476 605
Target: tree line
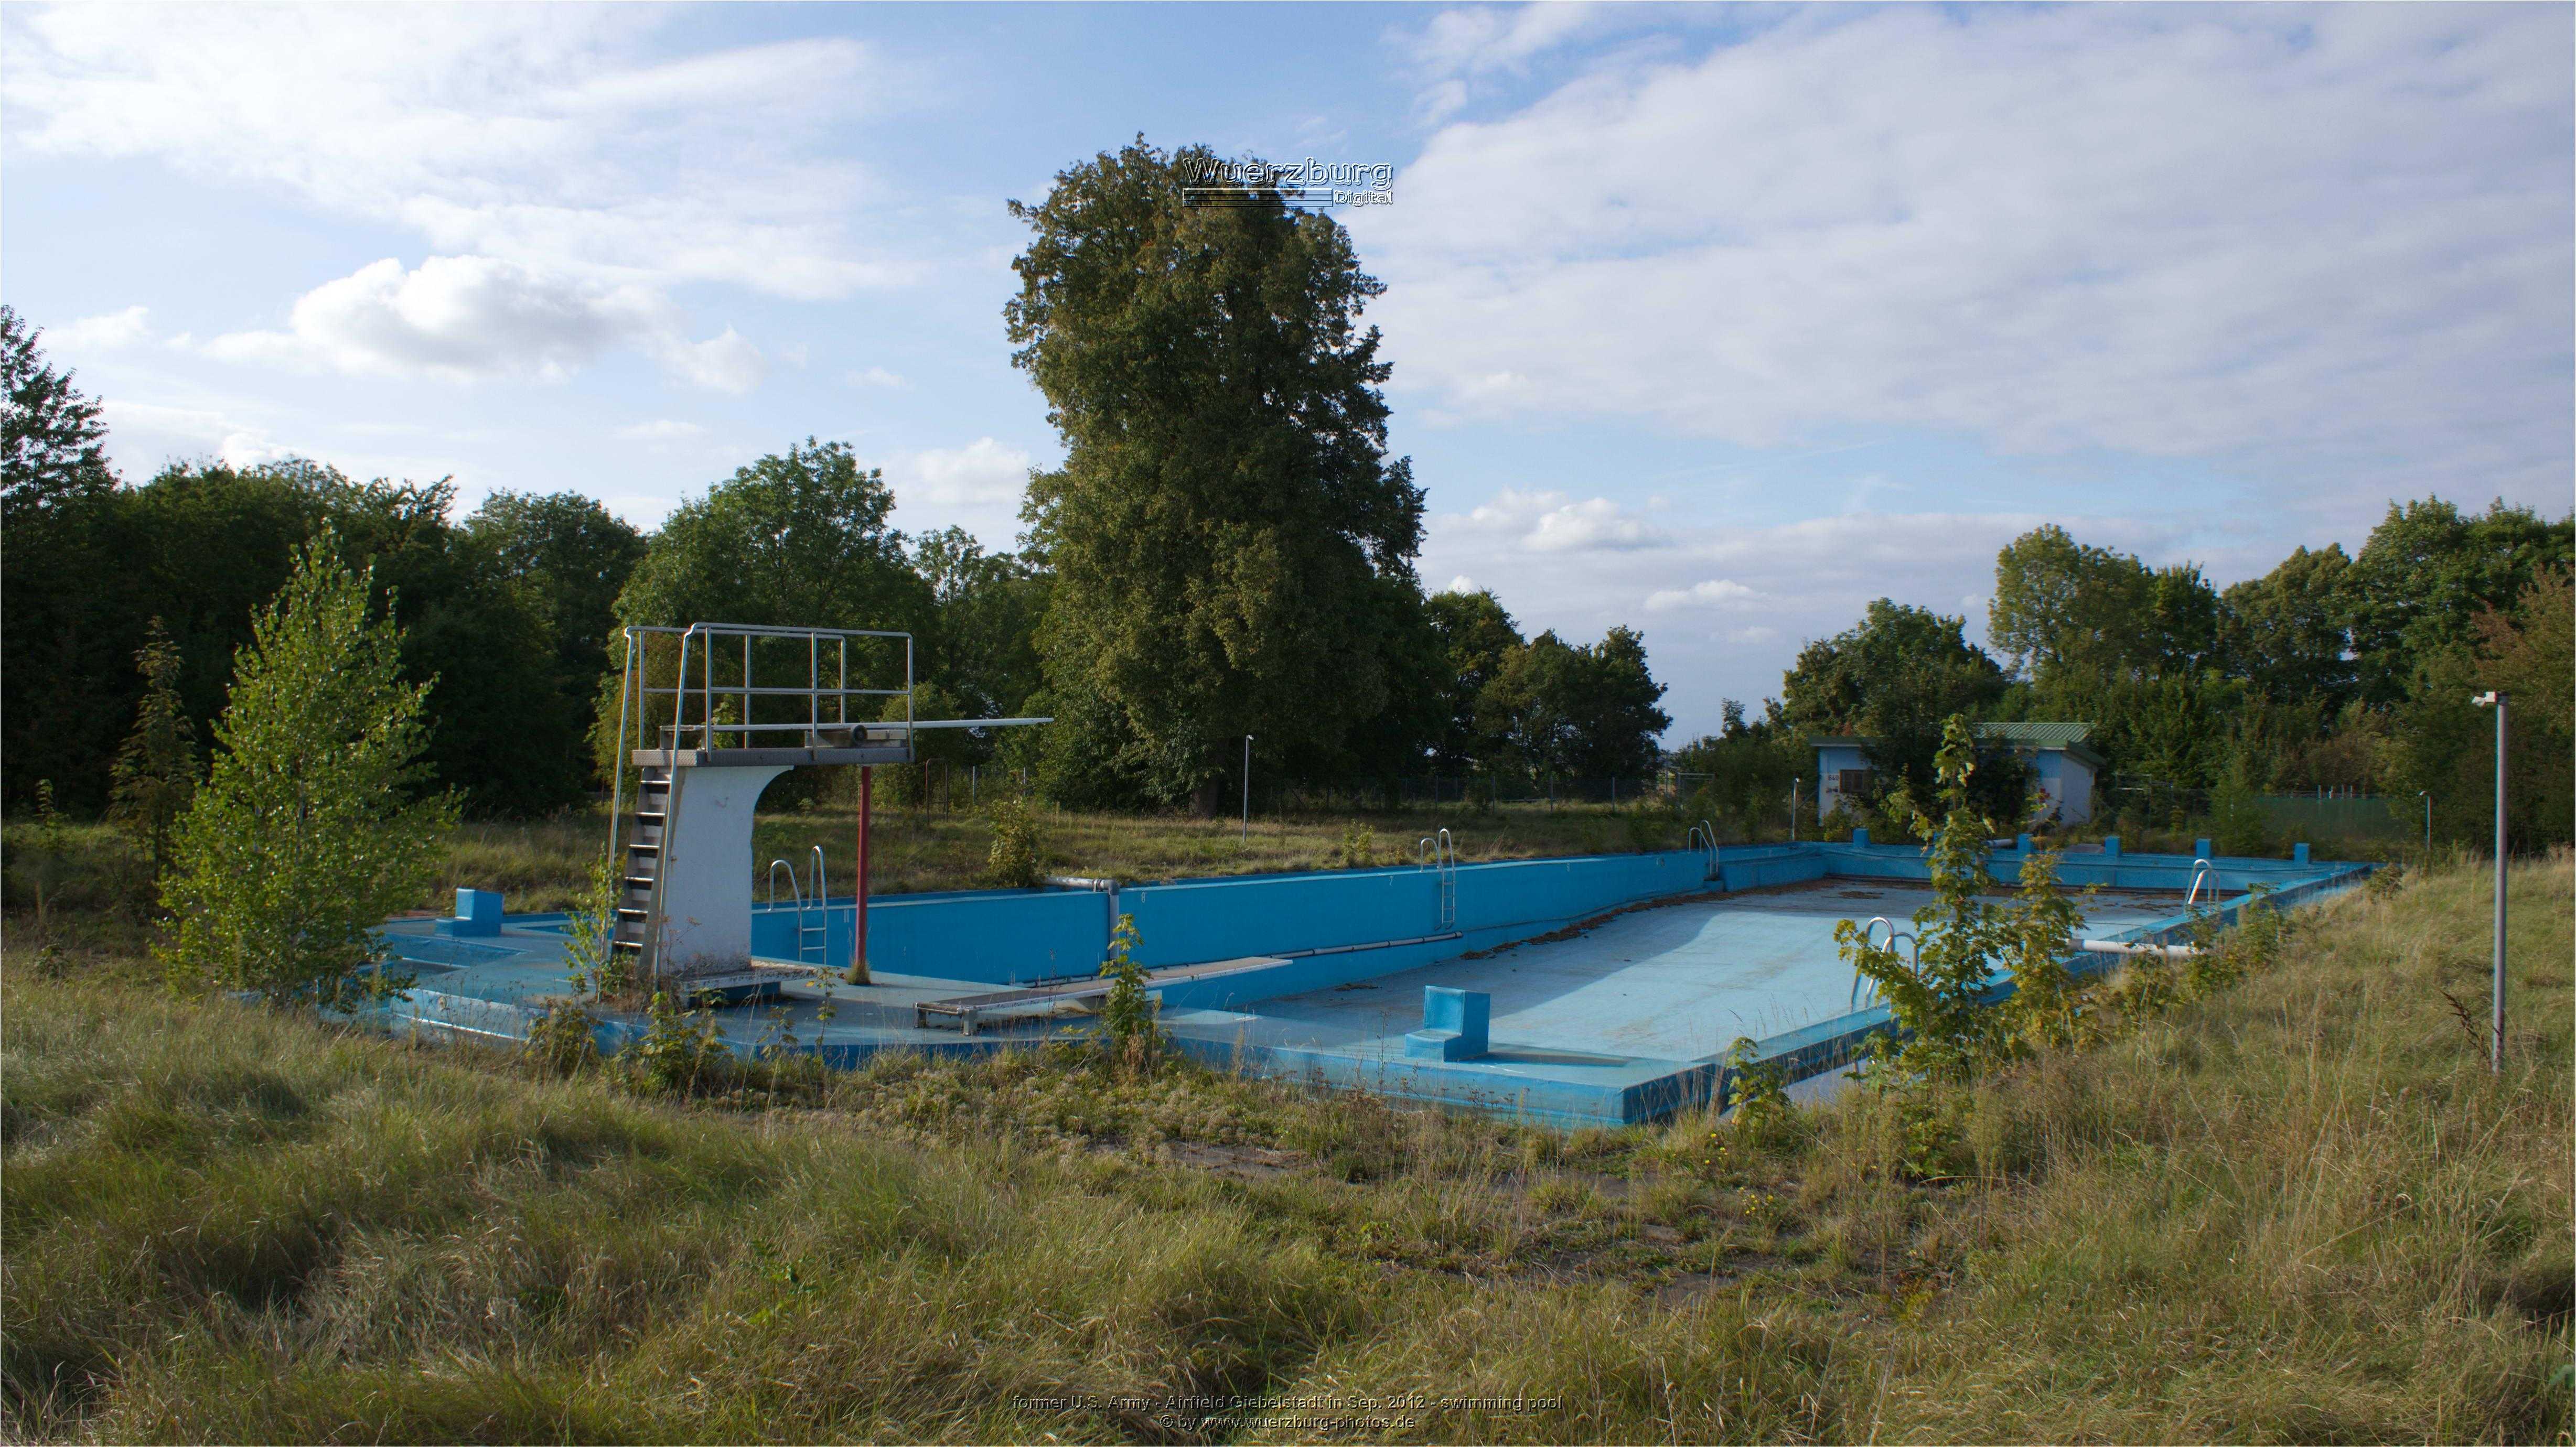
2333 671
1226 551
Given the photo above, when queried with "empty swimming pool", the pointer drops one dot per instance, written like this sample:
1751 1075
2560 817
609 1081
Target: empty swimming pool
1608 988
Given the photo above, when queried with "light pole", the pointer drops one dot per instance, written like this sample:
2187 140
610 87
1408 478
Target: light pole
1247 789
2495 699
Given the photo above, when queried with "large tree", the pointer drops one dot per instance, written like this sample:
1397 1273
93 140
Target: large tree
983 642
2426 576
1895 679
2067 611
1226 516
202 547
798 539
1476 637
2287 632
52 445
1585 712
569 558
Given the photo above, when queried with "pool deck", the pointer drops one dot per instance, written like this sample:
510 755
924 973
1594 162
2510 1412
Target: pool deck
1610 1016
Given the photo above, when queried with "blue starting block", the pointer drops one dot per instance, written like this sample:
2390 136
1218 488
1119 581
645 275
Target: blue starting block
478 912
1455 1025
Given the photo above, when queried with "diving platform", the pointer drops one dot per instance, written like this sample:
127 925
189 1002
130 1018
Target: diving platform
708 715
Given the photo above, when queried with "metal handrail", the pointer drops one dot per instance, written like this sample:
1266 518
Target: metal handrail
1706 833
1913 957
2203 870
700 639
1439 851
803 899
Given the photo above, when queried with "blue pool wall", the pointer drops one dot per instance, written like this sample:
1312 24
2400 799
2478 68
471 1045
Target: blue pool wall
1018 937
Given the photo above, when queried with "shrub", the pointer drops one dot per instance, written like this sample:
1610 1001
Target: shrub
1127 1015
156 771
562 1040
302 839
1012 863
681 1052
592 962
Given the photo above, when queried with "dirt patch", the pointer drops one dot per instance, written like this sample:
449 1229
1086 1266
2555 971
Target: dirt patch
1242 1162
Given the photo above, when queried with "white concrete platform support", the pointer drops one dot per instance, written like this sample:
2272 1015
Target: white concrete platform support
706 870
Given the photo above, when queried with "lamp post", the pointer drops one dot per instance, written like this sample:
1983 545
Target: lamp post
2495 699
1247 789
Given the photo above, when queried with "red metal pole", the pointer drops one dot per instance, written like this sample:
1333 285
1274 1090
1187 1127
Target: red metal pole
859 946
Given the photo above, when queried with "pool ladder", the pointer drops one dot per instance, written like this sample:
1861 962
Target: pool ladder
2202 872
1703 837
1439 851
1869 996
813 918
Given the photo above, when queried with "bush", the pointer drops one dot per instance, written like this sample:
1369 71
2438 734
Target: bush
301 840
681 1052
1012 863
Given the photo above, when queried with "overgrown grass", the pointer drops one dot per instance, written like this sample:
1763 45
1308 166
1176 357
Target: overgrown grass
2298 1210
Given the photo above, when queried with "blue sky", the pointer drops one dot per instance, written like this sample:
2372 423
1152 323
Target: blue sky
1715 321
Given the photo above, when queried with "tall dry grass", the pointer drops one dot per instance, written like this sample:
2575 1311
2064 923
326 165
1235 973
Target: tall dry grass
2297 1210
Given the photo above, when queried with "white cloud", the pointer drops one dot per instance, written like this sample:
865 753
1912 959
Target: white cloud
977 486
727 363
555 136
2046 229
1548 521
469 317
875 377
662 430
982 474
145 430
109 332
1463 584
1757 633
1715 591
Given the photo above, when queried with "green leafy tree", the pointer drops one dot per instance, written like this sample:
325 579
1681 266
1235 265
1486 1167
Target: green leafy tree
1935 997
1740 777
983 643
156 771
1226 518
567 557
2445 745
2426 576
798 538
307 832
52 445
2288 633
1476 637
1576 711
1894 679
66 693
2068 612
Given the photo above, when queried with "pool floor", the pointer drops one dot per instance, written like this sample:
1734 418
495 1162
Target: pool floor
1673 983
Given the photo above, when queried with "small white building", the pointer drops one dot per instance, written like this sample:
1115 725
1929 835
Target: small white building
2066 767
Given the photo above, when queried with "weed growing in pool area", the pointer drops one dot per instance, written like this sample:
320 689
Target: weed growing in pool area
1127 1023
